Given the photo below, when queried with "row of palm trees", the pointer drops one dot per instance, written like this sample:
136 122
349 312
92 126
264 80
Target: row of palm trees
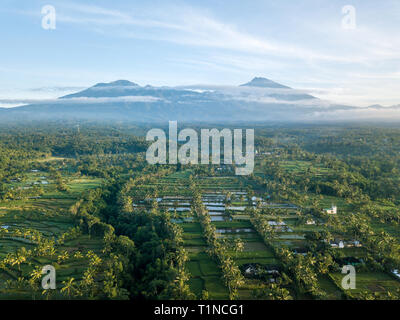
232 276
180 289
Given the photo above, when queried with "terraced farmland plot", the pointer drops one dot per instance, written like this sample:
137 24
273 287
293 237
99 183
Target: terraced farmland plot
46 216
297 166
231 218
370 283
174 197
50 227
229 229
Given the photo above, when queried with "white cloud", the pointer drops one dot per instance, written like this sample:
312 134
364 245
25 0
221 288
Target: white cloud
19 102
370 113
188 26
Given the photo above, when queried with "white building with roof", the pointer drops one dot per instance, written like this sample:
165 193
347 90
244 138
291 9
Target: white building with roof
331 210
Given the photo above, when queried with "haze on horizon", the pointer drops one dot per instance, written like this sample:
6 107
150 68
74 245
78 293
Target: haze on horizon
303 46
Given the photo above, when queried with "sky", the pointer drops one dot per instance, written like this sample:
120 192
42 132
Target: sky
312 45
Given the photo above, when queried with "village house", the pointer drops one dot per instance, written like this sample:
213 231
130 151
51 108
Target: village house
353 243
331 210
335 243
256 269
339 243
256 200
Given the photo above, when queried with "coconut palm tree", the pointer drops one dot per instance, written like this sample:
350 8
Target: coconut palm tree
69 288
238 246
35 275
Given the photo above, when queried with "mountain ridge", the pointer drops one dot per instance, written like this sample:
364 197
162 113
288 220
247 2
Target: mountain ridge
260 99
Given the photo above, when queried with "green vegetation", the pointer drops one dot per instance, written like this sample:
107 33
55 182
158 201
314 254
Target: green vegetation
115 227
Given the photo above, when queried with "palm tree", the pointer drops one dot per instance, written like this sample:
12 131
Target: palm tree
238 246
182 257
228 198
205 295
91 222
48 293
35 275
63 257
87 282
18 259
68 287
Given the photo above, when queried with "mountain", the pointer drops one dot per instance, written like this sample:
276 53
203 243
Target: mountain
263 83
260 99
111 89
287 94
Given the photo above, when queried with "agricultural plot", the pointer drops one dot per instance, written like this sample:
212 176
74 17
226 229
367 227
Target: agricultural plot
298 166
370 283
43 220
228 204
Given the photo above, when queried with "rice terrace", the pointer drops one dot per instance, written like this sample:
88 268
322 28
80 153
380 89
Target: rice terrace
98 211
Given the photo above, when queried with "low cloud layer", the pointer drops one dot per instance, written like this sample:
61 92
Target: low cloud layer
202 102
21 102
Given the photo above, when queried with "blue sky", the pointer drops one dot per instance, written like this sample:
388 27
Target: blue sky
301 44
